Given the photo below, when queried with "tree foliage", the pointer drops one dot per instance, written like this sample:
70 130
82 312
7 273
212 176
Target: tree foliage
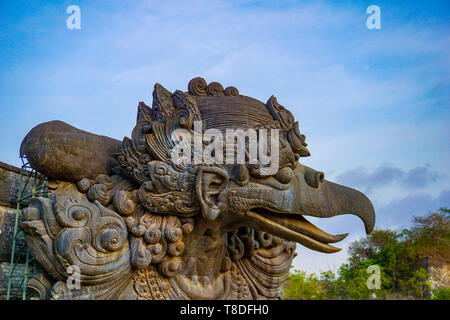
402 257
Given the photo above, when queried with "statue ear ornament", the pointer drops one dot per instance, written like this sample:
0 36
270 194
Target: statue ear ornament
211 181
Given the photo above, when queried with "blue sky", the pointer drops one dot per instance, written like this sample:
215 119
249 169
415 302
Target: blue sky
374 104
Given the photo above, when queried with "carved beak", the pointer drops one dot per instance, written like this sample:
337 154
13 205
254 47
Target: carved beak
309 196
332 199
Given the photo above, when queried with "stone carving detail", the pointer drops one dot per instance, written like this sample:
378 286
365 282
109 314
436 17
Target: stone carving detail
290 126
158 240
170 190
129 223
39 287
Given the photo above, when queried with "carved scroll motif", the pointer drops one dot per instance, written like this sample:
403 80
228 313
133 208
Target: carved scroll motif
67 232
263 260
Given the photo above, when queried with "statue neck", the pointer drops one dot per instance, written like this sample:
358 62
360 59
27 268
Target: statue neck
202 276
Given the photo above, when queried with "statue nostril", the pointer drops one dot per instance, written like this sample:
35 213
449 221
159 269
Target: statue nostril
321 176
314 178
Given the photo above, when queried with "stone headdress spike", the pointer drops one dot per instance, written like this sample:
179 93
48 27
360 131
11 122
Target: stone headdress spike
290 126
151 138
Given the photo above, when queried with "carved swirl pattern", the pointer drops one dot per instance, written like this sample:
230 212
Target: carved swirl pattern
133 162
77 232
174 202
169 191
94 238
197 87
263 260
149 286
107 190
155 239
158 240
215 89
231 91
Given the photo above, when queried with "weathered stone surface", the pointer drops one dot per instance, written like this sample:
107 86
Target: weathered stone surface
153 228
15 282
9 184
61 151
7 221
440 275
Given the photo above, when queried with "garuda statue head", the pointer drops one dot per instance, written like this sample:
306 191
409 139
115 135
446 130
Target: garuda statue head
206 200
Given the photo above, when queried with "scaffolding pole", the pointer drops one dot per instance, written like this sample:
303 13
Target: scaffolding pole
31 185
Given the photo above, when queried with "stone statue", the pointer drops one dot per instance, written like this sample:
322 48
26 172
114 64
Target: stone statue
127 222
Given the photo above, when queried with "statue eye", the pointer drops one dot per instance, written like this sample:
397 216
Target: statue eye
284 175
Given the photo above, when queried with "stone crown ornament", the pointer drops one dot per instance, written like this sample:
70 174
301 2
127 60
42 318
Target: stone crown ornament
129 223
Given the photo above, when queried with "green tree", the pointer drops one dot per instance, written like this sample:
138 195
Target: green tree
302 286
418 284
441 294
399 254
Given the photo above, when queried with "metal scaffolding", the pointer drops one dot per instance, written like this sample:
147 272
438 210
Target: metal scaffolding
31 184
